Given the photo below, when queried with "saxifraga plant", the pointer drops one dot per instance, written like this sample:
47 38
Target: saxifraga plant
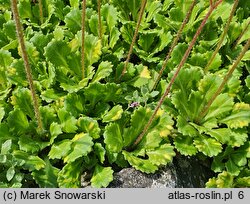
212 7
20 36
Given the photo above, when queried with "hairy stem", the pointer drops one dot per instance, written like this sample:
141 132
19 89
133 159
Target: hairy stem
99 20
225 80
20 36
174 43
139 138
241 35
83 38
222 36
211 2
40 10
143 5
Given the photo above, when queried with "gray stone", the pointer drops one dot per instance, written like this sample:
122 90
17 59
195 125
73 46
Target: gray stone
131 178
184 172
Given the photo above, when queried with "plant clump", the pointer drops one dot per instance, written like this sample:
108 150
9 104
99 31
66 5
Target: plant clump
92 87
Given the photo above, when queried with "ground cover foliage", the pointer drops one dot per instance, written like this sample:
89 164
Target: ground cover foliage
91 118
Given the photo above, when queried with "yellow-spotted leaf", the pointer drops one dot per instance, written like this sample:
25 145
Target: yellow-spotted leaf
240 116
208 146
81 146
114 114
162 155
140 164
102 176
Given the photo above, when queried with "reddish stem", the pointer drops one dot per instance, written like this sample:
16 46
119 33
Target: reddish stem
143 5
164 65
83 38
222 36
19 30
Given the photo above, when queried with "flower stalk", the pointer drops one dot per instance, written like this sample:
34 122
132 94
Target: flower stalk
40 10
20 36
241 35
222 36
143 5
83 38
99 20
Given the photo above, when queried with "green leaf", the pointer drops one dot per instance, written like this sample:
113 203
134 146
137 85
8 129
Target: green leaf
81 146
47 177
227 136
55 130
114 114
185 128
162 155
68 122
152 140
24 8
74 3
6 147
113 138
29 162
56 52
48 116
18 121
240 116
100 152
178 53
60 149
208 146
243 182
143 76
224 180
176 14
193 74
92 49
146 40
16 73
74 104
140 164
73 20
10 173
184 145
69 176
90 126
102 92
195 104
102 176
22 99
232 168
209 85
103 71
152 8
5 58
138 121
31 144
221 105
110 15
